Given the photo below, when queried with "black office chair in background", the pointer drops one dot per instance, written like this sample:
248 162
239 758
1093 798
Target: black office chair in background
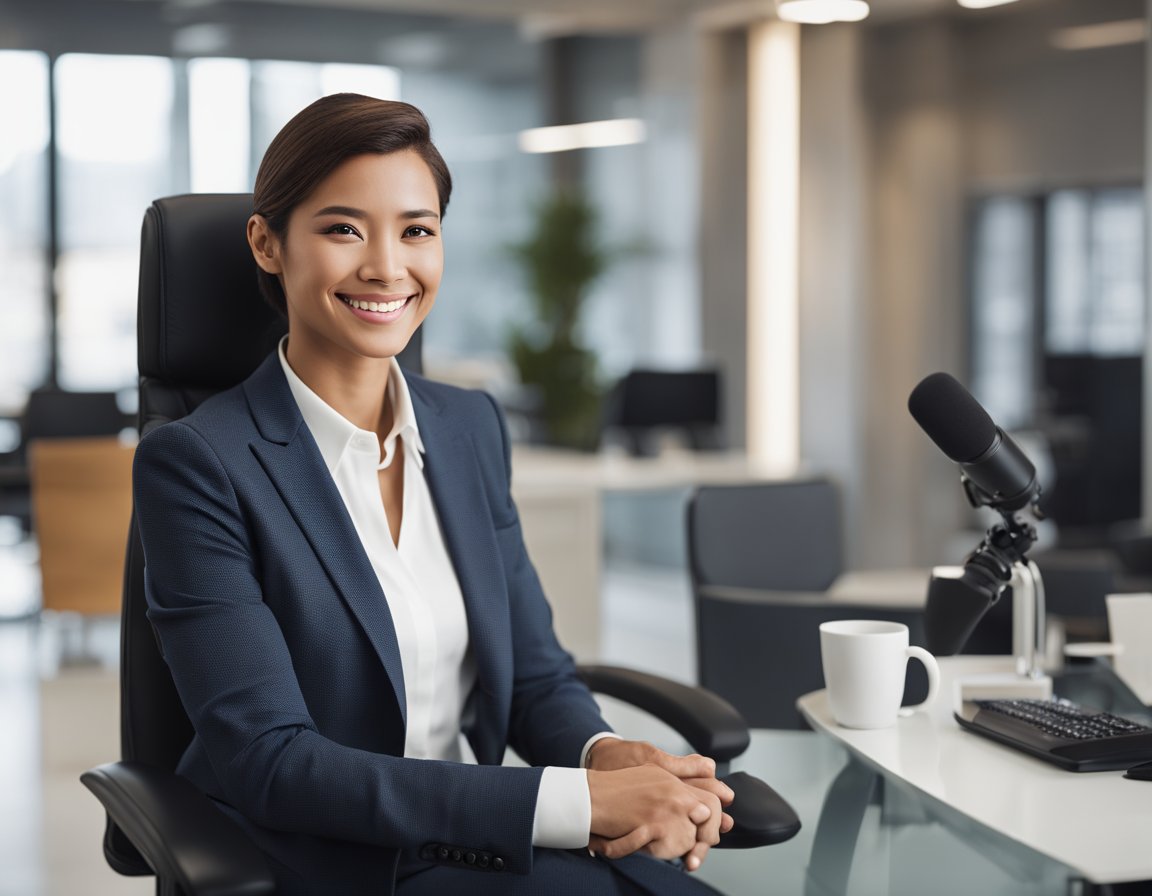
647 403
54 413
203 328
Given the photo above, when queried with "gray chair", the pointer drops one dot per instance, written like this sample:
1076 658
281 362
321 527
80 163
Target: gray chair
762 557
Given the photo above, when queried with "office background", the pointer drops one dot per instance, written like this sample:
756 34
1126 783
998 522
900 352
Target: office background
967 187
969 199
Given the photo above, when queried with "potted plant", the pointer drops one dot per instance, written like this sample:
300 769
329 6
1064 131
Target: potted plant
560 259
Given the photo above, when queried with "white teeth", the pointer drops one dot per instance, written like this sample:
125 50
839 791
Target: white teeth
377 306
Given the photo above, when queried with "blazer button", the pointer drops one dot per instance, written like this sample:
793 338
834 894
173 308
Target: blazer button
470 858
483 861
442 852
498 863
457 855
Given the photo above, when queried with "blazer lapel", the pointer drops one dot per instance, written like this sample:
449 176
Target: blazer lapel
293 462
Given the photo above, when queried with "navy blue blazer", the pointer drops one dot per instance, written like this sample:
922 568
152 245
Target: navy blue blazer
283 651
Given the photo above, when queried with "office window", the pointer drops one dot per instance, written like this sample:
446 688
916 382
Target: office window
1079 343
281 89
1095 255
219 118
23 228
1087 245
116 151
1003 309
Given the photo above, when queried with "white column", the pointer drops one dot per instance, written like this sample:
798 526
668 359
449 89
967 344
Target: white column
773 196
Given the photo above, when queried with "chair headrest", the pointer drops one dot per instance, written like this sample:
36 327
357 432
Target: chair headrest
202 324
201 320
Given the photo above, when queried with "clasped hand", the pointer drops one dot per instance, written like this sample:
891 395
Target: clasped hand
646 799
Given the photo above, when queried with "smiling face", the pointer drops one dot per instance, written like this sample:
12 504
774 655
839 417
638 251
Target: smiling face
360 262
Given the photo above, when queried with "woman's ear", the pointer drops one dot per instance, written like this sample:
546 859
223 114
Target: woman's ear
264 244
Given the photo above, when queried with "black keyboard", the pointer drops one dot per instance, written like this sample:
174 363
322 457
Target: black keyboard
1064 733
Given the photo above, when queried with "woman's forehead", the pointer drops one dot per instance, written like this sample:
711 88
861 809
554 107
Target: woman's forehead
399 181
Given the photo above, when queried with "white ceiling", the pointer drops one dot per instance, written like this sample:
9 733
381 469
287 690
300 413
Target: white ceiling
593 15
508 8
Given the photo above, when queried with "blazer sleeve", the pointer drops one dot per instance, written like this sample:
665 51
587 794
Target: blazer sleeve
553 714
235 677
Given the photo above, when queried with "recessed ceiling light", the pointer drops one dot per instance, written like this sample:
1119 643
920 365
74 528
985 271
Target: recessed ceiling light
821 12
587 135
1102 34
983 4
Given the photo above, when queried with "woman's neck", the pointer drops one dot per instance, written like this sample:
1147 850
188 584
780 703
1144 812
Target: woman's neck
356 388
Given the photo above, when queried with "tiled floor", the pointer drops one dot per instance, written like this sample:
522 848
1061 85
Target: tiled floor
57 719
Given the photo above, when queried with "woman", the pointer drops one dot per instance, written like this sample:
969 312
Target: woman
338 580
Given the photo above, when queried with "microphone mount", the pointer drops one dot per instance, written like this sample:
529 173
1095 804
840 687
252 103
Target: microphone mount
1005 544
998 561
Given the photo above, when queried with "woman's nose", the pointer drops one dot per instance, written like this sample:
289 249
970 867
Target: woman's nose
383 261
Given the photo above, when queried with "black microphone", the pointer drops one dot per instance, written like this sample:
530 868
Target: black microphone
995 471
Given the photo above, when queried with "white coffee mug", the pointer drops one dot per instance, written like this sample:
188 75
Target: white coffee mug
864 663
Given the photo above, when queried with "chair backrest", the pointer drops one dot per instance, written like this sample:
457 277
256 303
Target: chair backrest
202 327
645 402
53 413
761 556
81 503
783 536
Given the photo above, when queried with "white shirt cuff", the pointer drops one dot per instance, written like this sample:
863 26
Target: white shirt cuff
563 817
592 740
563 809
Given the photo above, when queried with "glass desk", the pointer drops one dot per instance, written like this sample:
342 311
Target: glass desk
927 808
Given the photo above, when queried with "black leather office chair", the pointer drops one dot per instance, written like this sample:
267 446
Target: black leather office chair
761 558
203 328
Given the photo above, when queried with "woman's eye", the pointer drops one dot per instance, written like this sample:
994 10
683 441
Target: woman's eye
418 230
342 230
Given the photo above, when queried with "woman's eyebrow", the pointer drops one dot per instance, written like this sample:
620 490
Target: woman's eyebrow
346 211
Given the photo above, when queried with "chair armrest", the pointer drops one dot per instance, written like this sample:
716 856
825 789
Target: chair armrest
710 724
178 830
762 817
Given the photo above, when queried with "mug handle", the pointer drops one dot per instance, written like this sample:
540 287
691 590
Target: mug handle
933 671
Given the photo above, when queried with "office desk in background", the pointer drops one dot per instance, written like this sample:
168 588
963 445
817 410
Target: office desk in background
1089 829
560 496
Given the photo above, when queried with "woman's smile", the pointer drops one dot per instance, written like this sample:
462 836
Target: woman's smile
380 308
